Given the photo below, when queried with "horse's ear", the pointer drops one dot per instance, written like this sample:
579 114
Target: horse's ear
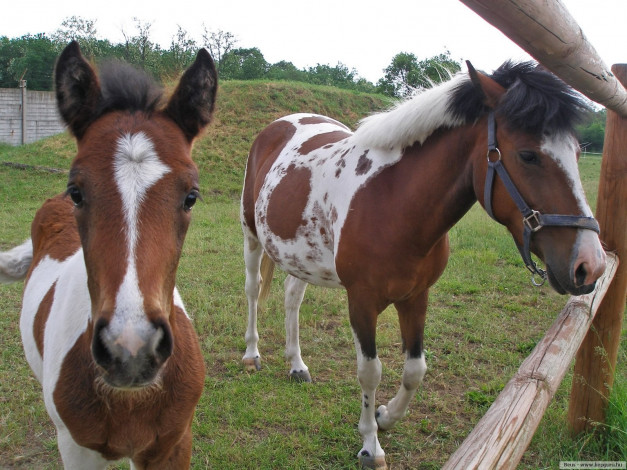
77 89
490 89
192 103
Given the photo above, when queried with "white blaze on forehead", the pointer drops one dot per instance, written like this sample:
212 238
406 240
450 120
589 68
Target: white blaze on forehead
563 149
137 168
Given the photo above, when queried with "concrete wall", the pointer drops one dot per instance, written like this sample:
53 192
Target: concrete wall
42 118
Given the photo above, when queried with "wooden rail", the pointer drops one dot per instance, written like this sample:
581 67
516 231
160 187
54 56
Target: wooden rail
501 437
548 32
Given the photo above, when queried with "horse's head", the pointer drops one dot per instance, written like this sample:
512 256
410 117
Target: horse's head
528 178
133 184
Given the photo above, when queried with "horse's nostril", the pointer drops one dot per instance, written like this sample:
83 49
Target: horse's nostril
580 275
164 345
99 350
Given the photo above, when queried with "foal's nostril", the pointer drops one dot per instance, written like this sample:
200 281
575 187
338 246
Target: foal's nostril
580 275
99 350
163 345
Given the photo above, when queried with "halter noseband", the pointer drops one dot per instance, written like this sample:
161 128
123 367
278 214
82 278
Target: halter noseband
532 219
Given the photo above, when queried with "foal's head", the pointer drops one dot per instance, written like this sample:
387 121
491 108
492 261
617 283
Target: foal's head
535 118
133 184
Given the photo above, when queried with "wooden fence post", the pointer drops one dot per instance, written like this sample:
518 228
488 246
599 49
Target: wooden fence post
24 122
596 359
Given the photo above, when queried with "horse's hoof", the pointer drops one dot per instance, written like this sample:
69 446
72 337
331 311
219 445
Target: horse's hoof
375 463
252 365
300 376
383 418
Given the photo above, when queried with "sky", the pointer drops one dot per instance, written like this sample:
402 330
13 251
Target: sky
361 34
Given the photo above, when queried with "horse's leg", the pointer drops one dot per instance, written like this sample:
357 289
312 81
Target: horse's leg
411 314
252 259
76 457
363 319
294 293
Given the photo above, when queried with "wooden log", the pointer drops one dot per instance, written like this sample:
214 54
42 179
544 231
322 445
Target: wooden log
500 438
594 371
548 32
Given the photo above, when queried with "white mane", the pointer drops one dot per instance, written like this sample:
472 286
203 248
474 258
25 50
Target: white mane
412 120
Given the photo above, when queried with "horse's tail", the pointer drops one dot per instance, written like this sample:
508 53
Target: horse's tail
267 271
14 263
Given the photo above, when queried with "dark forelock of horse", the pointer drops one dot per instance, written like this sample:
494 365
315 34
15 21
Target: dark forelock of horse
125 88
536 101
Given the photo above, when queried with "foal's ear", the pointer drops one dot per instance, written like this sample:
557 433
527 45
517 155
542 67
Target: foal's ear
490 89
192 103
77 89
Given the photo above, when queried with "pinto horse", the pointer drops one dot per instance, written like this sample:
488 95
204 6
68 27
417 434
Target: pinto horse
369 211
103 325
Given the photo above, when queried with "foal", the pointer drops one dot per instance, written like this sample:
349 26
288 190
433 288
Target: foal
103 326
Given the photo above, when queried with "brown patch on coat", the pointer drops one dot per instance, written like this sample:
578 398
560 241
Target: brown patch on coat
320 120
263 153
363 164
320 140
41 318
53 231
288 201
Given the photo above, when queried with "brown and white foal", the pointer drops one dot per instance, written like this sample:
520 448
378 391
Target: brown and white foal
103 326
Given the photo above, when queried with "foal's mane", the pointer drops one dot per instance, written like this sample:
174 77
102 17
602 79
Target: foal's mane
535 101
125 88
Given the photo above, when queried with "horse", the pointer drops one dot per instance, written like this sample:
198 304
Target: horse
369 211
103 326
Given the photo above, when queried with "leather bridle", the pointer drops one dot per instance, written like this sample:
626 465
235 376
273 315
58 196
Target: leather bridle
532 219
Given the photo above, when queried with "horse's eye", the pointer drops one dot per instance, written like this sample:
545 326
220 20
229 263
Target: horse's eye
190 200
76 195
529 157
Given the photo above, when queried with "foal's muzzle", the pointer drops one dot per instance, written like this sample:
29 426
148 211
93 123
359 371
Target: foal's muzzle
133 357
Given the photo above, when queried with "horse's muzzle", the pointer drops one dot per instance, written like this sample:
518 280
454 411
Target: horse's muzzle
133 357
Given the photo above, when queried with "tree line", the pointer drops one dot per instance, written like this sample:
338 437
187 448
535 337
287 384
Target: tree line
32 57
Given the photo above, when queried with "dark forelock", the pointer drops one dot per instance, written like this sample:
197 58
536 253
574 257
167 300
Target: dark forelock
536 101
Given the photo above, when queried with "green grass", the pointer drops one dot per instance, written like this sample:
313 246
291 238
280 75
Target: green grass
484 318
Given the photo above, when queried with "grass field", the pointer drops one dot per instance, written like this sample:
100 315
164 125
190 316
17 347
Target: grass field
484 319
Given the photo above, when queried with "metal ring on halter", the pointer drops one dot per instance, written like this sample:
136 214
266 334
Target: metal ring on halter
533 280
495 149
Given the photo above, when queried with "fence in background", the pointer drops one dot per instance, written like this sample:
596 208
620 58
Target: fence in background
27 116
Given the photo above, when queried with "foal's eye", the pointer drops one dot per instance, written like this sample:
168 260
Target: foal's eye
190 200
529 157
76 195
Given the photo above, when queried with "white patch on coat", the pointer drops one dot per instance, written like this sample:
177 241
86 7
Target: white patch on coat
44 275
335 178
68 319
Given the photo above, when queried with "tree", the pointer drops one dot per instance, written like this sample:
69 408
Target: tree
180 54
406 74
219 43
138 49
243 64
284 70
592 131
75 28
339 76
30 58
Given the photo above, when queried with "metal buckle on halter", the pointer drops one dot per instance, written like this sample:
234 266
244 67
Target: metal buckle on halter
532 221
490 150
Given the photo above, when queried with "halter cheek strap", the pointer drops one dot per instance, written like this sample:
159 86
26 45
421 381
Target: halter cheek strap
532 219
